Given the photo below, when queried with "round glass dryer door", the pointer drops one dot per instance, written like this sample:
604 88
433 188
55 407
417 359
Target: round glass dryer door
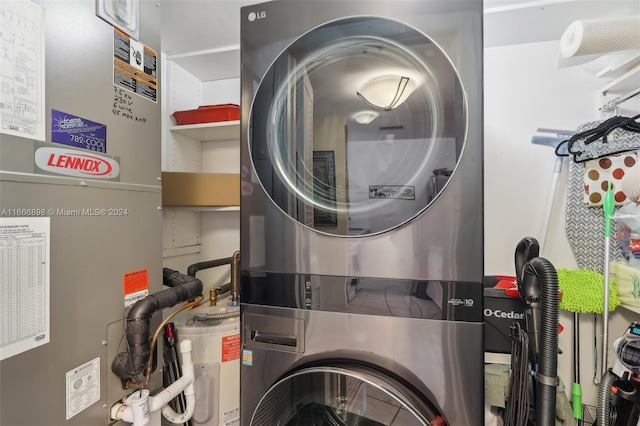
357 126
342 396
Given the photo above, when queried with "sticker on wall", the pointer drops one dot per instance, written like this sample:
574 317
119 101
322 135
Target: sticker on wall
135 285
230 347
134 66
52 160
25 291
231 417
83 387
22 107
78 132
247 357
392 191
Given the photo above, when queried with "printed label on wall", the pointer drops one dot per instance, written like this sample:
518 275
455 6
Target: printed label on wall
134 66
83 387
22 104
25 291
78 132
230 347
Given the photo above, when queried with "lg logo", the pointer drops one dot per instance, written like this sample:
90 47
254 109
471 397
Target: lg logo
253 16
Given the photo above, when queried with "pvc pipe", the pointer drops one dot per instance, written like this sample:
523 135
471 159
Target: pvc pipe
136 408
177 418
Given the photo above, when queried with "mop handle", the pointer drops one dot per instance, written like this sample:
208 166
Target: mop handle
608 211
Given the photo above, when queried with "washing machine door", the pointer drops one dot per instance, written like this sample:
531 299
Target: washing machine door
343 395
357 126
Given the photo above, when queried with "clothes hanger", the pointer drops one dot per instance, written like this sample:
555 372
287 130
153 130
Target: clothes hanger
583 143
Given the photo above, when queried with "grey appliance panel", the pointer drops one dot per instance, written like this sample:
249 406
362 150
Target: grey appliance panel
433 300
442 243
89 256
441 359
79 81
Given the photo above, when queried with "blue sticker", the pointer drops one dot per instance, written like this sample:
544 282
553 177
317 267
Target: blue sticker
78 132
247 357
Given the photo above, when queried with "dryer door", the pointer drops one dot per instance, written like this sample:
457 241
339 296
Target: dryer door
357 126
343 395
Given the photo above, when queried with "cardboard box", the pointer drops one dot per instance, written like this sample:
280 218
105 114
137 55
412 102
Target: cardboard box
200 189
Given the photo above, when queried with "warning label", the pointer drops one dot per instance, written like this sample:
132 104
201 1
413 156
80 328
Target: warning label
135 281
230 347
134 66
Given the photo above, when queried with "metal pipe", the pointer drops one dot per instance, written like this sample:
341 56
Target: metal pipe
576 390
235 297
610 106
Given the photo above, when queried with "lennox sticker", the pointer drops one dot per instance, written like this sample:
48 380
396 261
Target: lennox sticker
75 163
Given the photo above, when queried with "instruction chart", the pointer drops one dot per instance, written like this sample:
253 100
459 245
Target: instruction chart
24 284
22 108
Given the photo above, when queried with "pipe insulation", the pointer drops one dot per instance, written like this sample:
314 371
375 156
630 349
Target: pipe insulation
135 359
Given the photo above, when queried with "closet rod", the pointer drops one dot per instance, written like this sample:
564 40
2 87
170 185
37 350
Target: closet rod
610 106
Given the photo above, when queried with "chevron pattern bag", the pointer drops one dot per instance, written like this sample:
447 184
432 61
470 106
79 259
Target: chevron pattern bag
584 225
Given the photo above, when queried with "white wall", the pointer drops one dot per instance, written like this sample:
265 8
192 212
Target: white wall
220 230
524 90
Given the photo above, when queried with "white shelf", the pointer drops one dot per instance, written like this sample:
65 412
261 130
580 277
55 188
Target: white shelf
210 132
212 64
620 68
181 251
625 83
631 308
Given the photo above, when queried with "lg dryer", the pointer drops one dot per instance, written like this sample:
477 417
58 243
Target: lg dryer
361 213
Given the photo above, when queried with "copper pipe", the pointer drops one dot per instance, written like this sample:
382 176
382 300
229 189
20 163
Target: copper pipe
235 297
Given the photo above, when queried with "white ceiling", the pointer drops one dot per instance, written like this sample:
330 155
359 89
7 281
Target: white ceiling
197 25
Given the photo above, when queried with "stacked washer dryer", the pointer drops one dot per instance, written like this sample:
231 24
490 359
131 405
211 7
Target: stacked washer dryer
361 280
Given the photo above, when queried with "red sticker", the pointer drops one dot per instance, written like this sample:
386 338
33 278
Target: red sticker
135 281
230 347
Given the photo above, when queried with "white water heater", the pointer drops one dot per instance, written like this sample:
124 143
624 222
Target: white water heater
216 358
